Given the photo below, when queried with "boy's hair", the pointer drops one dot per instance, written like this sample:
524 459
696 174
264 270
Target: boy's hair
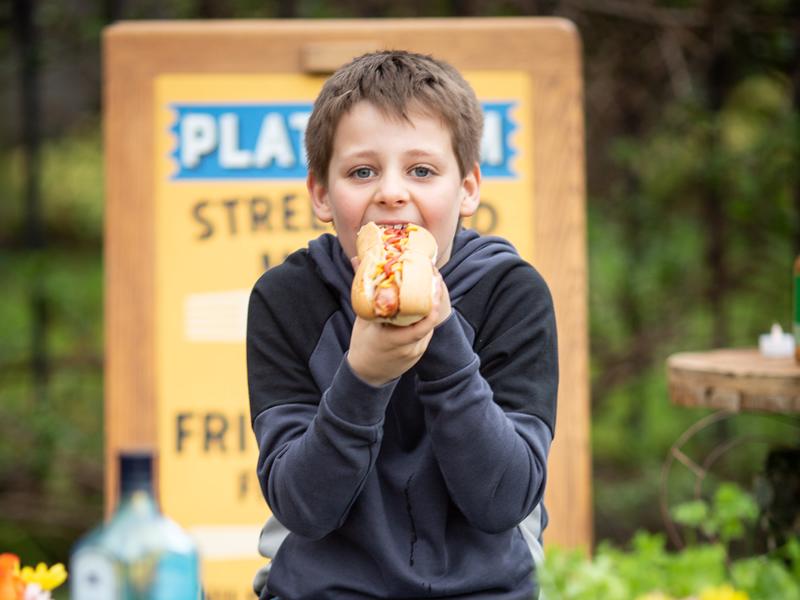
396 82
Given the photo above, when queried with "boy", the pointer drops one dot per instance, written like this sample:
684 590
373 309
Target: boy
401 460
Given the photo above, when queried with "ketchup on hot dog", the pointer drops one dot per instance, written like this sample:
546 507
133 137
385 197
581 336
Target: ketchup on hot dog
387 297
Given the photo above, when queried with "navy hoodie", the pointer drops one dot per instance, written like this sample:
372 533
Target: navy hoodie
429 486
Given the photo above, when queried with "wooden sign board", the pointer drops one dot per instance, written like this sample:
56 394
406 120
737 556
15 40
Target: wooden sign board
205 189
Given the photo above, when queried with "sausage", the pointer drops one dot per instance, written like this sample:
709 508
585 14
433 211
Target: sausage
387 301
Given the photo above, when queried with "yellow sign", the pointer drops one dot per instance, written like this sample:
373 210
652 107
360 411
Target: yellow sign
231 202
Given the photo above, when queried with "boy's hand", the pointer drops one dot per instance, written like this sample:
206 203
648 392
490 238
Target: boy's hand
380 352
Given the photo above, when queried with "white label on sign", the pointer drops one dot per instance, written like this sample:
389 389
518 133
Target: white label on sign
216 316
227 542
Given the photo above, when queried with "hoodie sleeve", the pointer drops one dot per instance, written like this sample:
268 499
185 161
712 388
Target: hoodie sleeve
316 447
491 410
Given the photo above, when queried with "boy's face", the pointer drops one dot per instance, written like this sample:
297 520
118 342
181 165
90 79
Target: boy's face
387 170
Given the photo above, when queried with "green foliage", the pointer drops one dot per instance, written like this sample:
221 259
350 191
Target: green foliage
651 284
648 567
615 574
71 190
732 512
766 578
52 428
693 514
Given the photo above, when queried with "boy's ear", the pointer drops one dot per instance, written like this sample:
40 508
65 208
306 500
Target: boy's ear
470 192
319 199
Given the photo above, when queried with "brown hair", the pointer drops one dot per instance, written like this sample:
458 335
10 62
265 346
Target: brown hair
396 82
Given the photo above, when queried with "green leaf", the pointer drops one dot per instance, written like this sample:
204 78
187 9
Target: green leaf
733 510
691 514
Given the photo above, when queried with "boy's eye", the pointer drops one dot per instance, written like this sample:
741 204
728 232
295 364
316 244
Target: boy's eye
362 173
421 171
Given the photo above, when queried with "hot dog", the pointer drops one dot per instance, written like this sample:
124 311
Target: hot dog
394 281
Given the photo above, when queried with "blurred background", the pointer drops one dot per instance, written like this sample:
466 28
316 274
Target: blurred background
692 111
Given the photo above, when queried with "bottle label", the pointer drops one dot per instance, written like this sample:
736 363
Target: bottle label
93 576
177 578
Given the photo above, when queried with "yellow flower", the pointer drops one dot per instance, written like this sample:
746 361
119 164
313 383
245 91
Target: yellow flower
655 596
47 578
723 592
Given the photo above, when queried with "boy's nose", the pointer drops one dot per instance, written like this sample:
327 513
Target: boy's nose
391 191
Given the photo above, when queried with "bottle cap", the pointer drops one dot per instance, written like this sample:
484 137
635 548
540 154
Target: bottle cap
135 471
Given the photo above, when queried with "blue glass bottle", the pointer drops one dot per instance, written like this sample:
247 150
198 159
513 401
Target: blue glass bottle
139 554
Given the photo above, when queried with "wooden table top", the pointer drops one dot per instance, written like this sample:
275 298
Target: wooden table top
734 379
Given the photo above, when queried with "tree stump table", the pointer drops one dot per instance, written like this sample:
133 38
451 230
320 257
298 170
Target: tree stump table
735 380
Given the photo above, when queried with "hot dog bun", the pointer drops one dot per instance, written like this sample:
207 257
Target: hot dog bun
394 281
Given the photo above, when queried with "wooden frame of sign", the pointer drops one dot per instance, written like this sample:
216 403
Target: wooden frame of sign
548 50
